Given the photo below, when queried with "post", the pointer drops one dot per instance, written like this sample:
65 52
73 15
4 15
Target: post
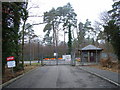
96 55
64 40
88 56
38 52
29 49
74 58
81 57
33 50
42 55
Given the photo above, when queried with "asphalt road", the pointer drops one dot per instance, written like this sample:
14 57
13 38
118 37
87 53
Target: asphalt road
61 76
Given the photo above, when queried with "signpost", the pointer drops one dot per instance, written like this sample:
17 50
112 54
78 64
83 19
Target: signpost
11 62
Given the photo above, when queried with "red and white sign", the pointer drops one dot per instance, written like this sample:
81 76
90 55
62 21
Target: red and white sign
10 61
10 58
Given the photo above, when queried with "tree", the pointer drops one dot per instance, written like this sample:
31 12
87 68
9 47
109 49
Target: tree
69 21
12 14
115 12
112 31
29 32
51 18
62 15
88 29
24 18
80 34
104 19
102 36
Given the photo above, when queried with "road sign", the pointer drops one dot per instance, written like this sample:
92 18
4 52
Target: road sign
10 64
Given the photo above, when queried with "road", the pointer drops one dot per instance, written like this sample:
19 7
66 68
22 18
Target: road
61 76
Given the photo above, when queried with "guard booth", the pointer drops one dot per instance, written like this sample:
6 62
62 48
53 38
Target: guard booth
90 53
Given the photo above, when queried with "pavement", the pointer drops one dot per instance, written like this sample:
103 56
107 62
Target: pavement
112 77
61 76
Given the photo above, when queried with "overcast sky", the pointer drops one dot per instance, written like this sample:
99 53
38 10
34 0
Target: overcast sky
85 9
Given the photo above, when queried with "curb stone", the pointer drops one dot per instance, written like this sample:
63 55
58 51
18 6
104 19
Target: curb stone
14 79
113 82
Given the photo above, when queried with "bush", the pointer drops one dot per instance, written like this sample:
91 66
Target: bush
118 66
106 62
18 67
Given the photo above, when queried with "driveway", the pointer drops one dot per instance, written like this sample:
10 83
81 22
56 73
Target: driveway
61 76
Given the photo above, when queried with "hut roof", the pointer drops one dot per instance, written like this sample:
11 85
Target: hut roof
91 47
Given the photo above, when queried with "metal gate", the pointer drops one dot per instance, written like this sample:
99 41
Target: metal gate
65 60
56 62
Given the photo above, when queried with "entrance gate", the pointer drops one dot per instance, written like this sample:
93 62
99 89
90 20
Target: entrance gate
57 62
63 61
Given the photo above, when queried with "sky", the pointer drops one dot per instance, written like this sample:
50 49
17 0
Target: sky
85 9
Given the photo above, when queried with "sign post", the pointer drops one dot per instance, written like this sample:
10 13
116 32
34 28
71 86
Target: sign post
11 62
56 56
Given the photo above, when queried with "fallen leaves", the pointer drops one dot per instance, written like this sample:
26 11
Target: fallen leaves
9 75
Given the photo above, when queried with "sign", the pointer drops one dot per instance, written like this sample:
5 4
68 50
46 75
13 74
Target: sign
67 57
11 64
55 54
63 56
10 61
10 58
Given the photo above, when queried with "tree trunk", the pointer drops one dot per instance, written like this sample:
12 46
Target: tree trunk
69 40
23 44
